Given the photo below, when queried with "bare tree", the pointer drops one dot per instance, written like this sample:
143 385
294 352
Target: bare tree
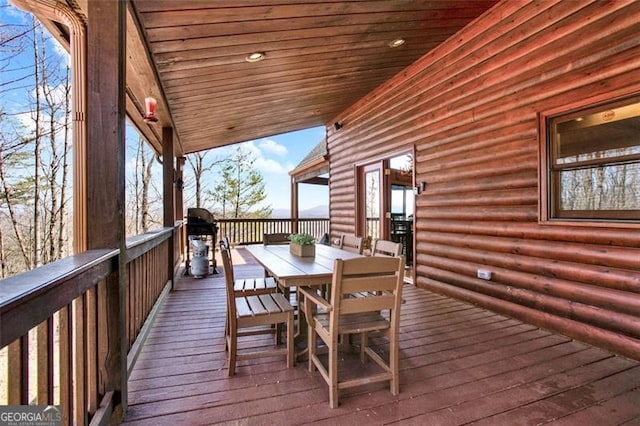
34 157
142 196
10 195
36 149
62 218
199 167
146 170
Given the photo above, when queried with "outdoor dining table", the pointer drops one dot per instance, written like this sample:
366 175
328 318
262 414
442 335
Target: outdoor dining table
294 271
291 270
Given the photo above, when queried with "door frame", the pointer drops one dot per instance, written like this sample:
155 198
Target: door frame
380 163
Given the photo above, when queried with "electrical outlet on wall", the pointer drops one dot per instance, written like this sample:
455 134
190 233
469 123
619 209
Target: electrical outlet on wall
484 274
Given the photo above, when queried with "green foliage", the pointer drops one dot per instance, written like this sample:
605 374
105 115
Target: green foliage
302 239
241 188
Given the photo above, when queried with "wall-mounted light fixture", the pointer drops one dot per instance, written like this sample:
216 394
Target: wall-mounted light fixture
179 184
150 110
419 188
337 125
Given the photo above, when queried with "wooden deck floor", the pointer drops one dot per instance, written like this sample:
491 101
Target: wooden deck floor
459 365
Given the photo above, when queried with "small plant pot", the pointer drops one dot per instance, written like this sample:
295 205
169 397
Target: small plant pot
308 250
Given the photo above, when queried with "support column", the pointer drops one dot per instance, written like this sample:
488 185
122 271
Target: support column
105 183
168 191
180 188
181 233
294 206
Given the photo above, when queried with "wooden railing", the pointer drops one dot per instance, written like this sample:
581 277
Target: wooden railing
250 231
64 327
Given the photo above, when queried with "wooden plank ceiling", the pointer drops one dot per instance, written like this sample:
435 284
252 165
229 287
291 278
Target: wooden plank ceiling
321 57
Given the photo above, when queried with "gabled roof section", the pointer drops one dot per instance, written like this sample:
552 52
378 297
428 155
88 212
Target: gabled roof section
313 165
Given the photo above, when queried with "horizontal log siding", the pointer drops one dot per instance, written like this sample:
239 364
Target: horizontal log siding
471 109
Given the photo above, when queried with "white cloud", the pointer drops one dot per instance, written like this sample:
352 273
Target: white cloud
270 166
249 147
260 152
269 145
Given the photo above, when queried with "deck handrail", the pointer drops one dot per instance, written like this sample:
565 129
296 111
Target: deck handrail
67 305
28 298
250 231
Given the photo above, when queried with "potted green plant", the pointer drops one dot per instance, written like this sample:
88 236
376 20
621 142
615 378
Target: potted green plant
302 245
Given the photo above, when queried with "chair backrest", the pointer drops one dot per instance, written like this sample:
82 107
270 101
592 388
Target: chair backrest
386 248
229 281
276 238
377 282
351 243
224 243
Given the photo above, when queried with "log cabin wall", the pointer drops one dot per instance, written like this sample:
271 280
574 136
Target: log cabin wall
471 109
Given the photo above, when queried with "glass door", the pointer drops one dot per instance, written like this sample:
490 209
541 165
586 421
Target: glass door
401 203
370 200
386 201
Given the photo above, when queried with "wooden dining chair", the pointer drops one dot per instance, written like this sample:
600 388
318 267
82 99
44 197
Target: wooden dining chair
252 285
381 280
386 248
256 314
276 238
351 243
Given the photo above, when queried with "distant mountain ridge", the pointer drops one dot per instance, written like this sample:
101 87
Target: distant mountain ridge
313 212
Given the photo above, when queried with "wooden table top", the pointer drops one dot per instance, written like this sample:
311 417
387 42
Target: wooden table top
293 270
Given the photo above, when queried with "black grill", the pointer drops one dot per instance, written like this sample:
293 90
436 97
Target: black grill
201 224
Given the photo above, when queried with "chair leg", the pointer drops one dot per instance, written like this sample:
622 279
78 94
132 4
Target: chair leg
278 330
226 332
333 374
364 342
311 345
291 359
232 342
394 363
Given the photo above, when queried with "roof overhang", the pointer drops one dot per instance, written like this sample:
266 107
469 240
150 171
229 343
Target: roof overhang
320 58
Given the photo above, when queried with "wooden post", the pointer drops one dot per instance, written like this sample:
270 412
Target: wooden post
295 212
180 241
168 190
179 188
105 168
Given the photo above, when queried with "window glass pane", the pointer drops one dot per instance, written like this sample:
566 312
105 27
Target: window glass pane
403 162
594 162
615 187
372 203
604 154
607 133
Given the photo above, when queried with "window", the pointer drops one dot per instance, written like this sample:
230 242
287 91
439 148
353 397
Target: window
593 163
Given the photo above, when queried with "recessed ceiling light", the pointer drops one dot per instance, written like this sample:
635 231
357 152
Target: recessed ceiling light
396 43
255 57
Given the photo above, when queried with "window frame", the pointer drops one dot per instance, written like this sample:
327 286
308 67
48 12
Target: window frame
550 173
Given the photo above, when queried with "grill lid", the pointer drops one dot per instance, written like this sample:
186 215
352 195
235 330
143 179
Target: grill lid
195 214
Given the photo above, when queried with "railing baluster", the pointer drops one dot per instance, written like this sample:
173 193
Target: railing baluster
15 381
42 365
64 363
102 340
92 350
78 361
51 340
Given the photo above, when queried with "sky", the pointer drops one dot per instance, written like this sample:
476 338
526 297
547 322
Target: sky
275 156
